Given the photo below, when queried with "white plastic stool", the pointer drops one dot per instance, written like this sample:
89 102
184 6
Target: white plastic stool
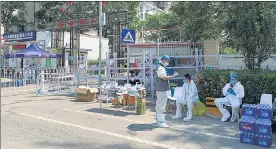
266 99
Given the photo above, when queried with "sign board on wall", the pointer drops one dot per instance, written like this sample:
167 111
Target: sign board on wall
18 47
20 36
41 44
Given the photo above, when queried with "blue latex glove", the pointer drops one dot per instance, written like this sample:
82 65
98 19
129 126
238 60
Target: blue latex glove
231 91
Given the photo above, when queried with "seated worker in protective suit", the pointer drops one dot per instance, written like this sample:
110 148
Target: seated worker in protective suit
233 92
163 90
188 97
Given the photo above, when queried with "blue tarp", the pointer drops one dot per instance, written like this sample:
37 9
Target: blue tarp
32 51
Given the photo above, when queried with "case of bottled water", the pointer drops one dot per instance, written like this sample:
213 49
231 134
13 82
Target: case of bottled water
263 140
263 127
249 110
264 111
247 124
247 138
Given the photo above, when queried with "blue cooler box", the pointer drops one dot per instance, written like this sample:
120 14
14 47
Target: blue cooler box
247 124
249 110
247 138
264 111
263 127
263 140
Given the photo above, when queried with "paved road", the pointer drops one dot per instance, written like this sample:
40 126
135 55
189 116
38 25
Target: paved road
56 122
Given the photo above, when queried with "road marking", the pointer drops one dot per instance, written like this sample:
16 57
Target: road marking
100 131
107 116
79 107
174 128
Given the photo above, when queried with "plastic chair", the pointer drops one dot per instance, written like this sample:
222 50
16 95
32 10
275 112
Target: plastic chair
266 99
172 100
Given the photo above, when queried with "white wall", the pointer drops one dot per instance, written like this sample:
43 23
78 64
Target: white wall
86 42
238 63
93 43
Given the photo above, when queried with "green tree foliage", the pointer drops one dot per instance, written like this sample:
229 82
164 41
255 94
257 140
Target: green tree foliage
228 50
95 62
159 21
250 26
50 11
9 18
199 20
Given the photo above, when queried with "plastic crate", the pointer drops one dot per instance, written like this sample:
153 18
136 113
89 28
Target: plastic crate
249 110
247 138
264 111
247 124
263 127
263 140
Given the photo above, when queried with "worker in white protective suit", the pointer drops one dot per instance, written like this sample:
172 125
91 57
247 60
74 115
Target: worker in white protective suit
163 91
188 97
233 92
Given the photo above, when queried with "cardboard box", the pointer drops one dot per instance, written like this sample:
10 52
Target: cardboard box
86 94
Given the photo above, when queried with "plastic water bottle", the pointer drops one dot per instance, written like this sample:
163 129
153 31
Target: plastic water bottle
136 86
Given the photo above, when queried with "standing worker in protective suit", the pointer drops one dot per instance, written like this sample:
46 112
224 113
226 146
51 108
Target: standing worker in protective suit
163 90
233 92
188 97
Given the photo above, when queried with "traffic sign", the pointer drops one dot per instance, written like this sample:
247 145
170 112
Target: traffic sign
128 36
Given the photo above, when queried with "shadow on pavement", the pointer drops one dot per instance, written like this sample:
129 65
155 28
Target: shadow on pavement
83 145
141 127
74 100
26 101
110 112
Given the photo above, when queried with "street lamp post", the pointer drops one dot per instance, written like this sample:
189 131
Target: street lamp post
100 44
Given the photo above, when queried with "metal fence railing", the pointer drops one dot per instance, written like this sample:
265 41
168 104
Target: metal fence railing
20 80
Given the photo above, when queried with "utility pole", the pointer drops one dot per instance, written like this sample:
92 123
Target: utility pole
0 45
100 43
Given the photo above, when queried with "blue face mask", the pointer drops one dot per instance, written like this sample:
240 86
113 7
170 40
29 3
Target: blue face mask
184 81
233 82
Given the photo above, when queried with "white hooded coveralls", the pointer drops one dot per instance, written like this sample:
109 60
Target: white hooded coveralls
187 97
162 96
234 100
